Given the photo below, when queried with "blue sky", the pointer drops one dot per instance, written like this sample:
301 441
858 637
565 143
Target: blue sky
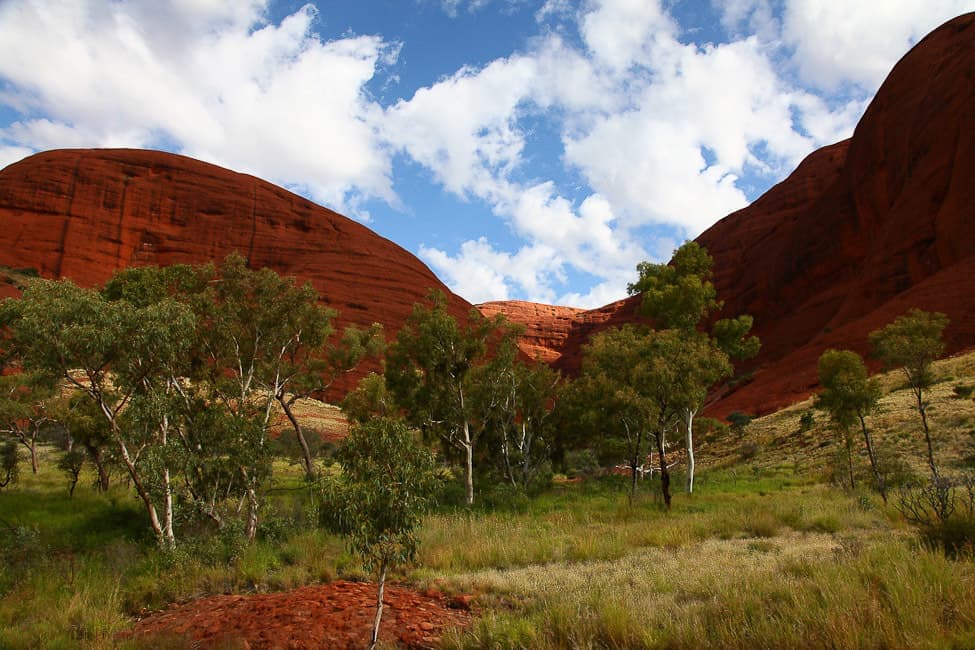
524 149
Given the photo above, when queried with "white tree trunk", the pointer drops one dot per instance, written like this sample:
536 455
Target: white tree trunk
379 606
469 466
689 424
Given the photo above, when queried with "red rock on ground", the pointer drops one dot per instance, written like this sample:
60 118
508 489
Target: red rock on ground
334 615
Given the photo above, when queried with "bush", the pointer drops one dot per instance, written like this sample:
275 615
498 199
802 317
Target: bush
738 422
711 428
71 464
9 463
748 450
581 463
943 508
807 421
963 392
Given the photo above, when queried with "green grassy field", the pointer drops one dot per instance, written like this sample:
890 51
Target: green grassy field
766 553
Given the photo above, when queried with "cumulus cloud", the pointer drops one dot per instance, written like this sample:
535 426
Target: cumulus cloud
656 133
214 79
839 43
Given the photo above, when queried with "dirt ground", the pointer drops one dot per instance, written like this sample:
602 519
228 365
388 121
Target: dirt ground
334 615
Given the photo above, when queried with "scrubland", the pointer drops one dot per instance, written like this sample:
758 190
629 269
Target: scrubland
769 551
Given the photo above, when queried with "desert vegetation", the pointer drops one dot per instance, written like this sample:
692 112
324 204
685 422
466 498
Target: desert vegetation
161 442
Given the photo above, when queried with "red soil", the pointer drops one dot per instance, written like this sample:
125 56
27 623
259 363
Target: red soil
334 615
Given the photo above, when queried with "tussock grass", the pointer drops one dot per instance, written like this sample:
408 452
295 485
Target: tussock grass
764 554
802 591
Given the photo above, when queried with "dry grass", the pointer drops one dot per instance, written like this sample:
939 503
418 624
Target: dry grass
896 427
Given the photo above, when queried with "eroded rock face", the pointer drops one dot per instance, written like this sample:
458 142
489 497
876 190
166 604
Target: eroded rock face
82 214
862 231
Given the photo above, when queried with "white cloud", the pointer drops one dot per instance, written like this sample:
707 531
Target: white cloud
620 33
211 77
661 131
838 43
474 272
10 155
654 131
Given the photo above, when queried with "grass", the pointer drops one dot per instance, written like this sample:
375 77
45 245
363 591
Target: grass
765 553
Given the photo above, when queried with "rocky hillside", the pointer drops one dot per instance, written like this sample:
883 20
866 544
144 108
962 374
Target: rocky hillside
82 214
860 232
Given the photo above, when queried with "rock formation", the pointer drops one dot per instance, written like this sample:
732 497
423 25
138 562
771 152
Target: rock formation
82 214
862 231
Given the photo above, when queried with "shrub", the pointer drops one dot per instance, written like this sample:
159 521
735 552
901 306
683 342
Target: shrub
962 391
738 422
806 421
943 508
748 450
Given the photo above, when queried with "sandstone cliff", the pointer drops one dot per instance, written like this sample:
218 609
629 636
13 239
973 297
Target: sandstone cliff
82 214
859 233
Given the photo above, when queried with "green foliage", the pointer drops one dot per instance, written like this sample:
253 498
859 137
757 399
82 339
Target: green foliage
9 463
962 391
439 373
739 421
370 399
847 392
388 482
913 341
680 294
71 464
807 421
640 383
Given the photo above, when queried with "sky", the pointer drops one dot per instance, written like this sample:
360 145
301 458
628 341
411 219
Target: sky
523 149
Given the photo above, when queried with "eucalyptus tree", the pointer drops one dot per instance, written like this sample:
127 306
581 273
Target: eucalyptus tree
913 342
646 381
680 296
388 482
24 396
313 365
430 372
123 357
259 334
24 412
849 396
518 399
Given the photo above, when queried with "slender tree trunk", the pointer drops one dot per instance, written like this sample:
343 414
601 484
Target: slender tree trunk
168 508
379 605
468 446
881 484
664 472
32 445
98 457
165 540
309 463
252 514
849 459
927 433
634 459
689 424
